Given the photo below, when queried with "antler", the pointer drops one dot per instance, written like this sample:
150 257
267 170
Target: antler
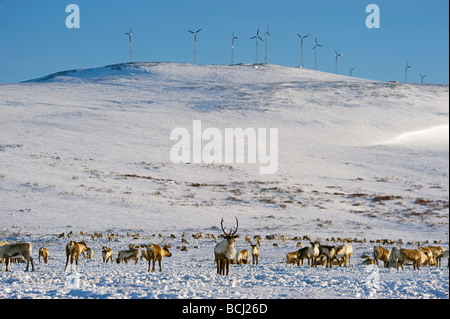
231 233
223 229
237 225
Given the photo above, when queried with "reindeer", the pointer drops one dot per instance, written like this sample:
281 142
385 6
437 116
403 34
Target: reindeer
303 253
107 254
344 254
156 252
314 252
255 254
73 251
393 257
7 251
126 255
416 256
225 251
329 252
445 255
291 258
43 252
241 256
380 253
437 253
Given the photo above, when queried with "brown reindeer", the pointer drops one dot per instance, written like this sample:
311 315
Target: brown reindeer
291 258
73 251
225 251
381 253
156 253
416 256
43 252
303 253
242 256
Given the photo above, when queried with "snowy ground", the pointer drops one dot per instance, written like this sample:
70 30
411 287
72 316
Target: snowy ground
88 150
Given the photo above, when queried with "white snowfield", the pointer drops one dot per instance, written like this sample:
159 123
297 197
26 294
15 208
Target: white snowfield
89 150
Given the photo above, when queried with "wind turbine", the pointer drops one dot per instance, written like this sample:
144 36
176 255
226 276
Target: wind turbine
301 48
232 48
351 71
131 48
265 44
195 44
315 53
406 71
336 61
256 50
421 77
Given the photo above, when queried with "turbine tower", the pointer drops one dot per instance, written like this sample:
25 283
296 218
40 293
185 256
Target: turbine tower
265 45
421 77
195 44
256 50
350 73
336 61
131 48
301 48
232 48
315 53
406 71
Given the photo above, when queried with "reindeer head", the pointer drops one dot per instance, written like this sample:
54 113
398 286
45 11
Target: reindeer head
230 237
166 250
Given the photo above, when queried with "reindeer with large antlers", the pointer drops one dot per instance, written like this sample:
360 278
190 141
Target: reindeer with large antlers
225 251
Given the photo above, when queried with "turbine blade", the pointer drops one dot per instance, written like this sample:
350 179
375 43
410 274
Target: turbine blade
306 36
198 30
191 31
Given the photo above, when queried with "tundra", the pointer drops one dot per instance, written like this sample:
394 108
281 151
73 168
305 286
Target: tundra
8 251
156 253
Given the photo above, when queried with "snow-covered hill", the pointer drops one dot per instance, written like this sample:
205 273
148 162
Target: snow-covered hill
89 150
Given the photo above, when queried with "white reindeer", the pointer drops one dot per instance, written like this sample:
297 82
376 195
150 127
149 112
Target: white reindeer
225 251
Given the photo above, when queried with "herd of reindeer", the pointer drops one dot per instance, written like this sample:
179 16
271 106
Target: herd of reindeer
225 253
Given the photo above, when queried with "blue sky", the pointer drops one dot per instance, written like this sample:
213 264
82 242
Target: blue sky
34 39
